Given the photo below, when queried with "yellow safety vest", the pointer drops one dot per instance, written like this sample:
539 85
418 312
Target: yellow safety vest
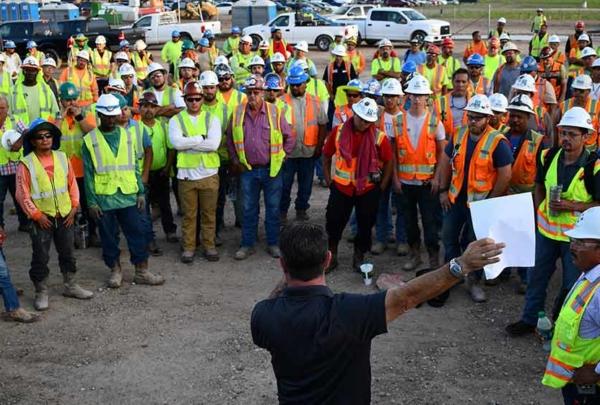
537 44
5 83
157 134
101 64
220 111
236 98
135 130
84 84
5 155
317 88
141 65
71 139
111 172
239 64
51 196
187 159
491 64
18 105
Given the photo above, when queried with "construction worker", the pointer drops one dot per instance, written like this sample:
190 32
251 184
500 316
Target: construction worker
212 45
413 53
353 94
477 45
257 66
541 121
575 57
507 73
581 88
483 153
171 51
595 91
300 52
573 40
355 56
13 60
202 57
74 122
32 98
133 91
539 40
259 163
81 75
573 364
446 59
263 52
124 47
186 72
558 208
277 65
538 20
337 74
232 43
120 59
115 193
500 25
80 44
100 58
478 83
553 72
492 60
196 135
499 120
48 71
557 54
385 65
451 107
239 62
434 72
277 43
169 97
34 52
274 91
544 95
308 120
47 192
140 59
588 56
356 186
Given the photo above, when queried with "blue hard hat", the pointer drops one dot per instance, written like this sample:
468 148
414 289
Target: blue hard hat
31 44
475 60
297 75
37 125
529 65
236 30
409 67
10 45
372 87
175 34
273 82
353 85
124 43
204 42
208 34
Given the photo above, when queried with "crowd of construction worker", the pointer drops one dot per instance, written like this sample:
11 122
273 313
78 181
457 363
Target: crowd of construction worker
95 148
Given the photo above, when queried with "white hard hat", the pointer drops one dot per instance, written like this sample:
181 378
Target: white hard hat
480 104
48 62
301 46
366 109
596 63
510 46
126 70
521 102
221 60
391 87
277 57
504 36
576 117
554 39
186 63
587 225
428 38
385 42
302 63
208 78
256 60
83 55
525 83
9 138
155 67
122 56
502 20
263 45
498 102
100 40
108 105
588 51
584 37
339 50
30 61
246 38
140 45
418 85
582 82
117 84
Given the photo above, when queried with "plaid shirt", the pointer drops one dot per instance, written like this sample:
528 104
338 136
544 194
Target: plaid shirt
8 169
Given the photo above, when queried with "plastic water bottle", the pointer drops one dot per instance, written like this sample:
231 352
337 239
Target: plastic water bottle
544 328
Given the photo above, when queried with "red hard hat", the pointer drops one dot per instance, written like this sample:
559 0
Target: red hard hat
448 42
433 49
579 25
192 88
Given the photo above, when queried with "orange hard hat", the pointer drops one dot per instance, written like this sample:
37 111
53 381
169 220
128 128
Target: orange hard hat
433 49
448 42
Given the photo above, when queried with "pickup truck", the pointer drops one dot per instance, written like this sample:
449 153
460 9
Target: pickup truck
317 30
398 24
351 12
158 28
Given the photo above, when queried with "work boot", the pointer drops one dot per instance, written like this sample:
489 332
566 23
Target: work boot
40 302
414 259
434 258
378 248
218 241
172 237
116 276
274 251
143 276
475 291
519 328
211 255
243 253
20 315
187 256
73 290
403 249
301 215
154 250
358 258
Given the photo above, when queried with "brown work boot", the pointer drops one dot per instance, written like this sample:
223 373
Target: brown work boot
434 258
116 276
143 276
40 302
73 290
414 259
21 315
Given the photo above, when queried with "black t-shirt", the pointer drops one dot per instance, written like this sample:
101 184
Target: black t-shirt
320 343
339 75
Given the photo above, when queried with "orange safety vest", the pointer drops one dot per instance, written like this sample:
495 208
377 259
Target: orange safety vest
436 83
559 57
443 109
524 167
481 87
538 96
553 76
343 113
482 173
540 113
593 108
84 84
311 113
419 163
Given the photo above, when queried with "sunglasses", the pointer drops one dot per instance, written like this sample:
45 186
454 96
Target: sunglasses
352 95
43 136
193 99
224 79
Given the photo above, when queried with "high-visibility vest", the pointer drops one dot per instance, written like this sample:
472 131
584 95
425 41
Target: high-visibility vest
235 98
220 111
71 139
553 75
537 22
344 173
39 55
187 159
569 351
158 135
392 64
84 84
524 167
574 68
311 114
51 196
6 83
450 63
240 65
555 226
140 64
559 57
272 47
537 44
101 64
415 163
357 59
5 155
444 111
171 51
231 46
593 108
482 173
343 113
113 173
330 68
19 109
277 153
317 88
435 77
136 130
482 86
491 64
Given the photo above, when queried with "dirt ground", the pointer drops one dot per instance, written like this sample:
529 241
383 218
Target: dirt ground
189 341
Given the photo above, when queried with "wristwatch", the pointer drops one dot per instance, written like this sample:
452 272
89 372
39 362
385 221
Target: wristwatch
456 269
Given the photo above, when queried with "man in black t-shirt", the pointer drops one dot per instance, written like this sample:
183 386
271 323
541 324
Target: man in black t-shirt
320 342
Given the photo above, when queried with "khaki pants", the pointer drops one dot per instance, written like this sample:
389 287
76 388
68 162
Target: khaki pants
201 194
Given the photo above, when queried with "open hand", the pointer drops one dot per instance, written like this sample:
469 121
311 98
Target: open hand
480 253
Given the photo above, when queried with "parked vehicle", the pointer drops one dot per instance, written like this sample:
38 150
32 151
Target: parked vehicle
351 12
224 7
158 27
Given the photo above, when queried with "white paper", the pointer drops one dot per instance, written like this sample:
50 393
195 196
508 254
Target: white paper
510 220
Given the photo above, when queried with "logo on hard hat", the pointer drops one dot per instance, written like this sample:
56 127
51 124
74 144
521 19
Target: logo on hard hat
477 103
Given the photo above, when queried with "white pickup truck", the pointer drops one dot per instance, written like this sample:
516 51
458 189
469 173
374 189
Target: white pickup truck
158 27
318 30
351 12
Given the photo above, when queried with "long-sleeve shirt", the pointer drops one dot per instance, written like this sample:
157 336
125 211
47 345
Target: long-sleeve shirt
257 138
23 191
171 51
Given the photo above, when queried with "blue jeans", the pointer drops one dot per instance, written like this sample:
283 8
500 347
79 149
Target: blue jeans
457 232
8 184
253 181
319 168
547 251
305 168
129 219
146 219
7 290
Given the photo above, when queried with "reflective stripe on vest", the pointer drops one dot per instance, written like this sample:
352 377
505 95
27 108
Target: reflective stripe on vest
71 139
311 124
84 84
435 83
191 158
5 83
416 163
51 196
140 64
525 165
19 106
343 113
101 64
344 174
135 129
330 68
157 134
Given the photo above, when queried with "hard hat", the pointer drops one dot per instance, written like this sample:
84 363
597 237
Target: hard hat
30 62
582 82
124 44
121 56
301 46
108 104
247 39
577 117
391 87
155 67
188 45
498 102
385 42
529 64
223 70
409 67
372 88
475 60
256 61
587 225
186 63
339 50
418 85
588 51
480 104
414 40
148 97
208 34
68 91
208 78
236 30
9 138
448 42
584 37
254 82
521 102
100 40
31 44
221 60
596 63
48 62
502 20
116 85
10 45
175 34
540 9
203 43
277 58
140 45
525 83
297 75
579 25
352 40
81 37
126 70
366 109
83 55
192 88
273 82
510 46
263 45
554 39
504 37
433 49
302 63
353 85
546 52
